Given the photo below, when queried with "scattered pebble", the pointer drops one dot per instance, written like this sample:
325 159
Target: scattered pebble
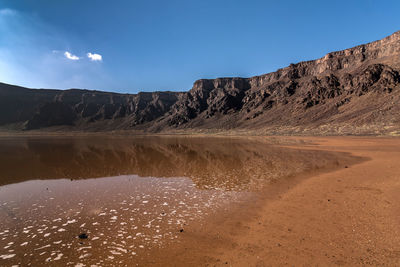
83 236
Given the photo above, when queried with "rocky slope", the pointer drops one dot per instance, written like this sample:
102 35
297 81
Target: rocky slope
80 108
354 91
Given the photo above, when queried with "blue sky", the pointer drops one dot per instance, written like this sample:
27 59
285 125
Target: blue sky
167 45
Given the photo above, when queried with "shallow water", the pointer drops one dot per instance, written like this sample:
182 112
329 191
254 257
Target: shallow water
127 195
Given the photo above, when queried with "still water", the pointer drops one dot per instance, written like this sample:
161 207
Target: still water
100 201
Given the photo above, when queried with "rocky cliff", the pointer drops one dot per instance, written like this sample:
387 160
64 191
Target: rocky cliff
80 108
354 91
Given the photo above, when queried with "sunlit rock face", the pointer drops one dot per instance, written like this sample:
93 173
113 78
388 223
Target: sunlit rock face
356 88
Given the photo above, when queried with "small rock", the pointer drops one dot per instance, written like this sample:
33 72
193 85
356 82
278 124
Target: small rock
83 236
181 230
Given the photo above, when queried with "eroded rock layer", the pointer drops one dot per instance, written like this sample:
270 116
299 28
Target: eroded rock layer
346 92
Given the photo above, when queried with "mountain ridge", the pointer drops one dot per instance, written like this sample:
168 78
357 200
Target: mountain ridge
352 91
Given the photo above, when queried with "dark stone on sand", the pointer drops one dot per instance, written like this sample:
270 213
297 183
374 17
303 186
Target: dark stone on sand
83 236
181 230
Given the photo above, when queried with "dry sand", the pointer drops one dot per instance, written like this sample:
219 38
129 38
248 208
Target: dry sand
349 216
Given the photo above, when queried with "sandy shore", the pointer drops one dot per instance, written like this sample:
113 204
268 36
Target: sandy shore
349 216
346 214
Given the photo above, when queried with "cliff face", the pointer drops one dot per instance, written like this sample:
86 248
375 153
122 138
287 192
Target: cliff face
80 108
354 88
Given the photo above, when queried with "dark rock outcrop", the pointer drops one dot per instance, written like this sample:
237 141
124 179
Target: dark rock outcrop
356 87
51 114
80 108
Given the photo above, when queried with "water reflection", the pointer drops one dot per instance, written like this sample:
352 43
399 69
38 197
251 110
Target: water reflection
209 162
126 195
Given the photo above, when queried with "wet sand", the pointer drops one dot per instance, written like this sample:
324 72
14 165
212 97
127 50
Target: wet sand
83 201
304 202
346 217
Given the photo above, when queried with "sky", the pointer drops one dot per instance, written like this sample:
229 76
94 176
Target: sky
129 46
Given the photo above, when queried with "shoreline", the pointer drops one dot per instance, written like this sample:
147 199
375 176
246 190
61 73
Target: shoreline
344 216
341 212
267 132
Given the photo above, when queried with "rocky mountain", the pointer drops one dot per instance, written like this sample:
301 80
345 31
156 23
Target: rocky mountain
81 109
354 91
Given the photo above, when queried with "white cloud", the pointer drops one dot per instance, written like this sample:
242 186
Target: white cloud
94 57
7 11
27 57
70 56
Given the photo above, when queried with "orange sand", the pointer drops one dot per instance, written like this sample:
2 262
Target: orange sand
349 216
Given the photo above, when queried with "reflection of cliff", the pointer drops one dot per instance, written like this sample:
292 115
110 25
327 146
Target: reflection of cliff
209 162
